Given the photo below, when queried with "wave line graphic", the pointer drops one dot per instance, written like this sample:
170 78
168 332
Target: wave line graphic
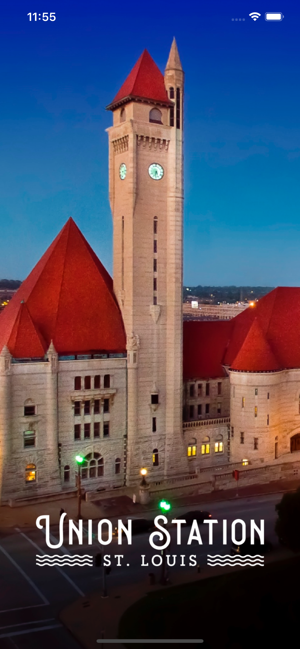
228 560
64 560
238 556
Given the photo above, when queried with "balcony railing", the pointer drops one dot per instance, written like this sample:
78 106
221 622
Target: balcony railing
206 422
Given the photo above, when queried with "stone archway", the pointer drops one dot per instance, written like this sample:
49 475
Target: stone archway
295 443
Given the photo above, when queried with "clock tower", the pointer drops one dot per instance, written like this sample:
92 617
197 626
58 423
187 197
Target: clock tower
146 199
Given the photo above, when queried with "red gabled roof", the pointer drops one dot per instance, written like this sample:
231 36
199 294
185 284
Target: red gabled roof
262 338
255 354
68 299
145 81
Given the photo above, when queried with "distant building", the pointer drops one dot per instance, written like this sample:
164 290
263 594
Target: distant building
198 311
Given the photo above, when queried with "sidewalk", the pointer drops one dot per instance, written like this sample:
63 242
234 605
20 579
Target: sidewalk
122 505
93 618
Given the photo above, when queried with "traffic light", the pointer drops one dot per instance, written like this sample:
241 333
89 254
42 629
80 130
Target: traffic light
98 560
164 505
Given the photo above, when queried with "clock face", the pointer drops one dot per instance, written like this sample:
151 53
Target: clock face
123 171
156 171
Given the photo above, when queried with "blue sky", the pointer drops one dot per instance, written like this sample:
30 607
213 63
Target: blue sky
242 130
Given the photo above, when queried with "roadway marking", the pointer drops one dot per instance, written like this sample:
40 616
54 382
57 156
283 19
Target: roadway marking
9 626
42 628
57 567
32 584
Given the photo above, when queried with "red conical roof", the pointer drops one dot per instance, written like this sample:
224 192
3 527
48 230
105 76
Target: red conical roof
68 299
145 81
255 354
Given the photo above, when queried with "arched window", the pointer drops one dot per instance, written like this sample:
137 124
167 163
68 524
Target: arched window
155 116
219 448
29 408
30 473
100 467
205 446
92 467
123 115
155 457
67 473
192 448
117 465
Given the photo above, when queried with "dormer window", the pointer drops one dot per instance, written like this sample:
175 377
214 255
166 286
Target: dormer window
155 116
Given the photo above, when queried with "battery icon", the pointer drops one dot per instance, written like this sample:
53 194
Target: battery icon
274 16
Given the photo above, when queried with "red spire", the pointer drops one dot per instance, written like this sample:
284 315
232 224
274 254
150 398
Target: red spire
69 299
255 354
145 81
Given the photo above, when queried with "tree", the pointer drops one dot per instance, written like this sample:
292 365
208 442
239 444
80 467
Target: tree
287 526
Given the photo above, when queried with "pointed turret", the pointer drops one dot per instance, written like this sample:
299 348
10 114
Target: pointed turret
174 62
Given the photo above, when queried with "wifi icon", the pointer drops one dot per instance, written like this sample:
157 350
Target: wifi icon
255 15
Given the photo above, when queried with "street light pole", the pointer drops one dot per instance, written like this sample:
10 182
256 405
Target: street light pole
79 460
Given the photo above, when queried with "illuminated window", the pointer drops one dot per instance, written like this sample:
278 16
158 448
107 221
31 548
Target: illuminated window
155 457
87 382
96 429
77 431
255 411
106 405
242 438
243 402
87 431
106 429
255 443
30 473
106 380
29 411
219 444
97 382
29 438
77 383
191 450
245 462
96 407
155 116
77 408
205 446
117 466
67 473
87 407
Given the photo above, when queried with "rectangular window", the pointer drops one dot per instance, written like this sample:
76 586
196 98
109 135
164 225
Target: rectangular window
218 447
242 438
87 382
155 225
172 116
199 409
177 107
87 431
77 408
77 431
153 424
106 380
192 450
256 392
154 399
207 389
154 299
29 411
243 402
219 388
268 420
255 411
192 391
97 382
219 409
232 431
155 265
255 443
97 429
205 449
96 407
155 245
199 389
106 405
29 438
268 395
191 412
87 407
154 284
77 383
106 429
207 408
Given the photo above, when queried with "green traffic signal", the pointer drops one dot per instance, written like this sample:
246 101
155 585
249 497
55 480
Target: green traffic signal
164 505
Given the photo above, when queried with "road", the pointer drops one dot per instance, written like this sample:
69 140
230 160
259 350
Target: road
31 596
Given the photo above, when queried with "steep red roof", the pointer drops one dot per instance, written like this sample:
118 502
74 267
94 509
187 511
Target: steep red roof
272 343
255 354
69 299
145 81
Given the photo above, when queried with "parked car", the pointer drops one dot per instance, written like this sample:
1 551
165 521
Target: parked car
139 526
248 548
195 515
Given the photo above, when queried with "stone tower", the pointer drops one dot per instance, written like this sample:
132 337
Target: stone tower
146 198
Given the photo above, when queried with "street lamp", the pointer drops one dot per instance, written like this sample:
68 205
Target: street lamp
143 473
79 459
164 505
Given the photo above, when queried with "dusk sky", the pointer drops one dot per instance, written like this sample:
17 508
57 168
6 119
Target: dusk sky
242 130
